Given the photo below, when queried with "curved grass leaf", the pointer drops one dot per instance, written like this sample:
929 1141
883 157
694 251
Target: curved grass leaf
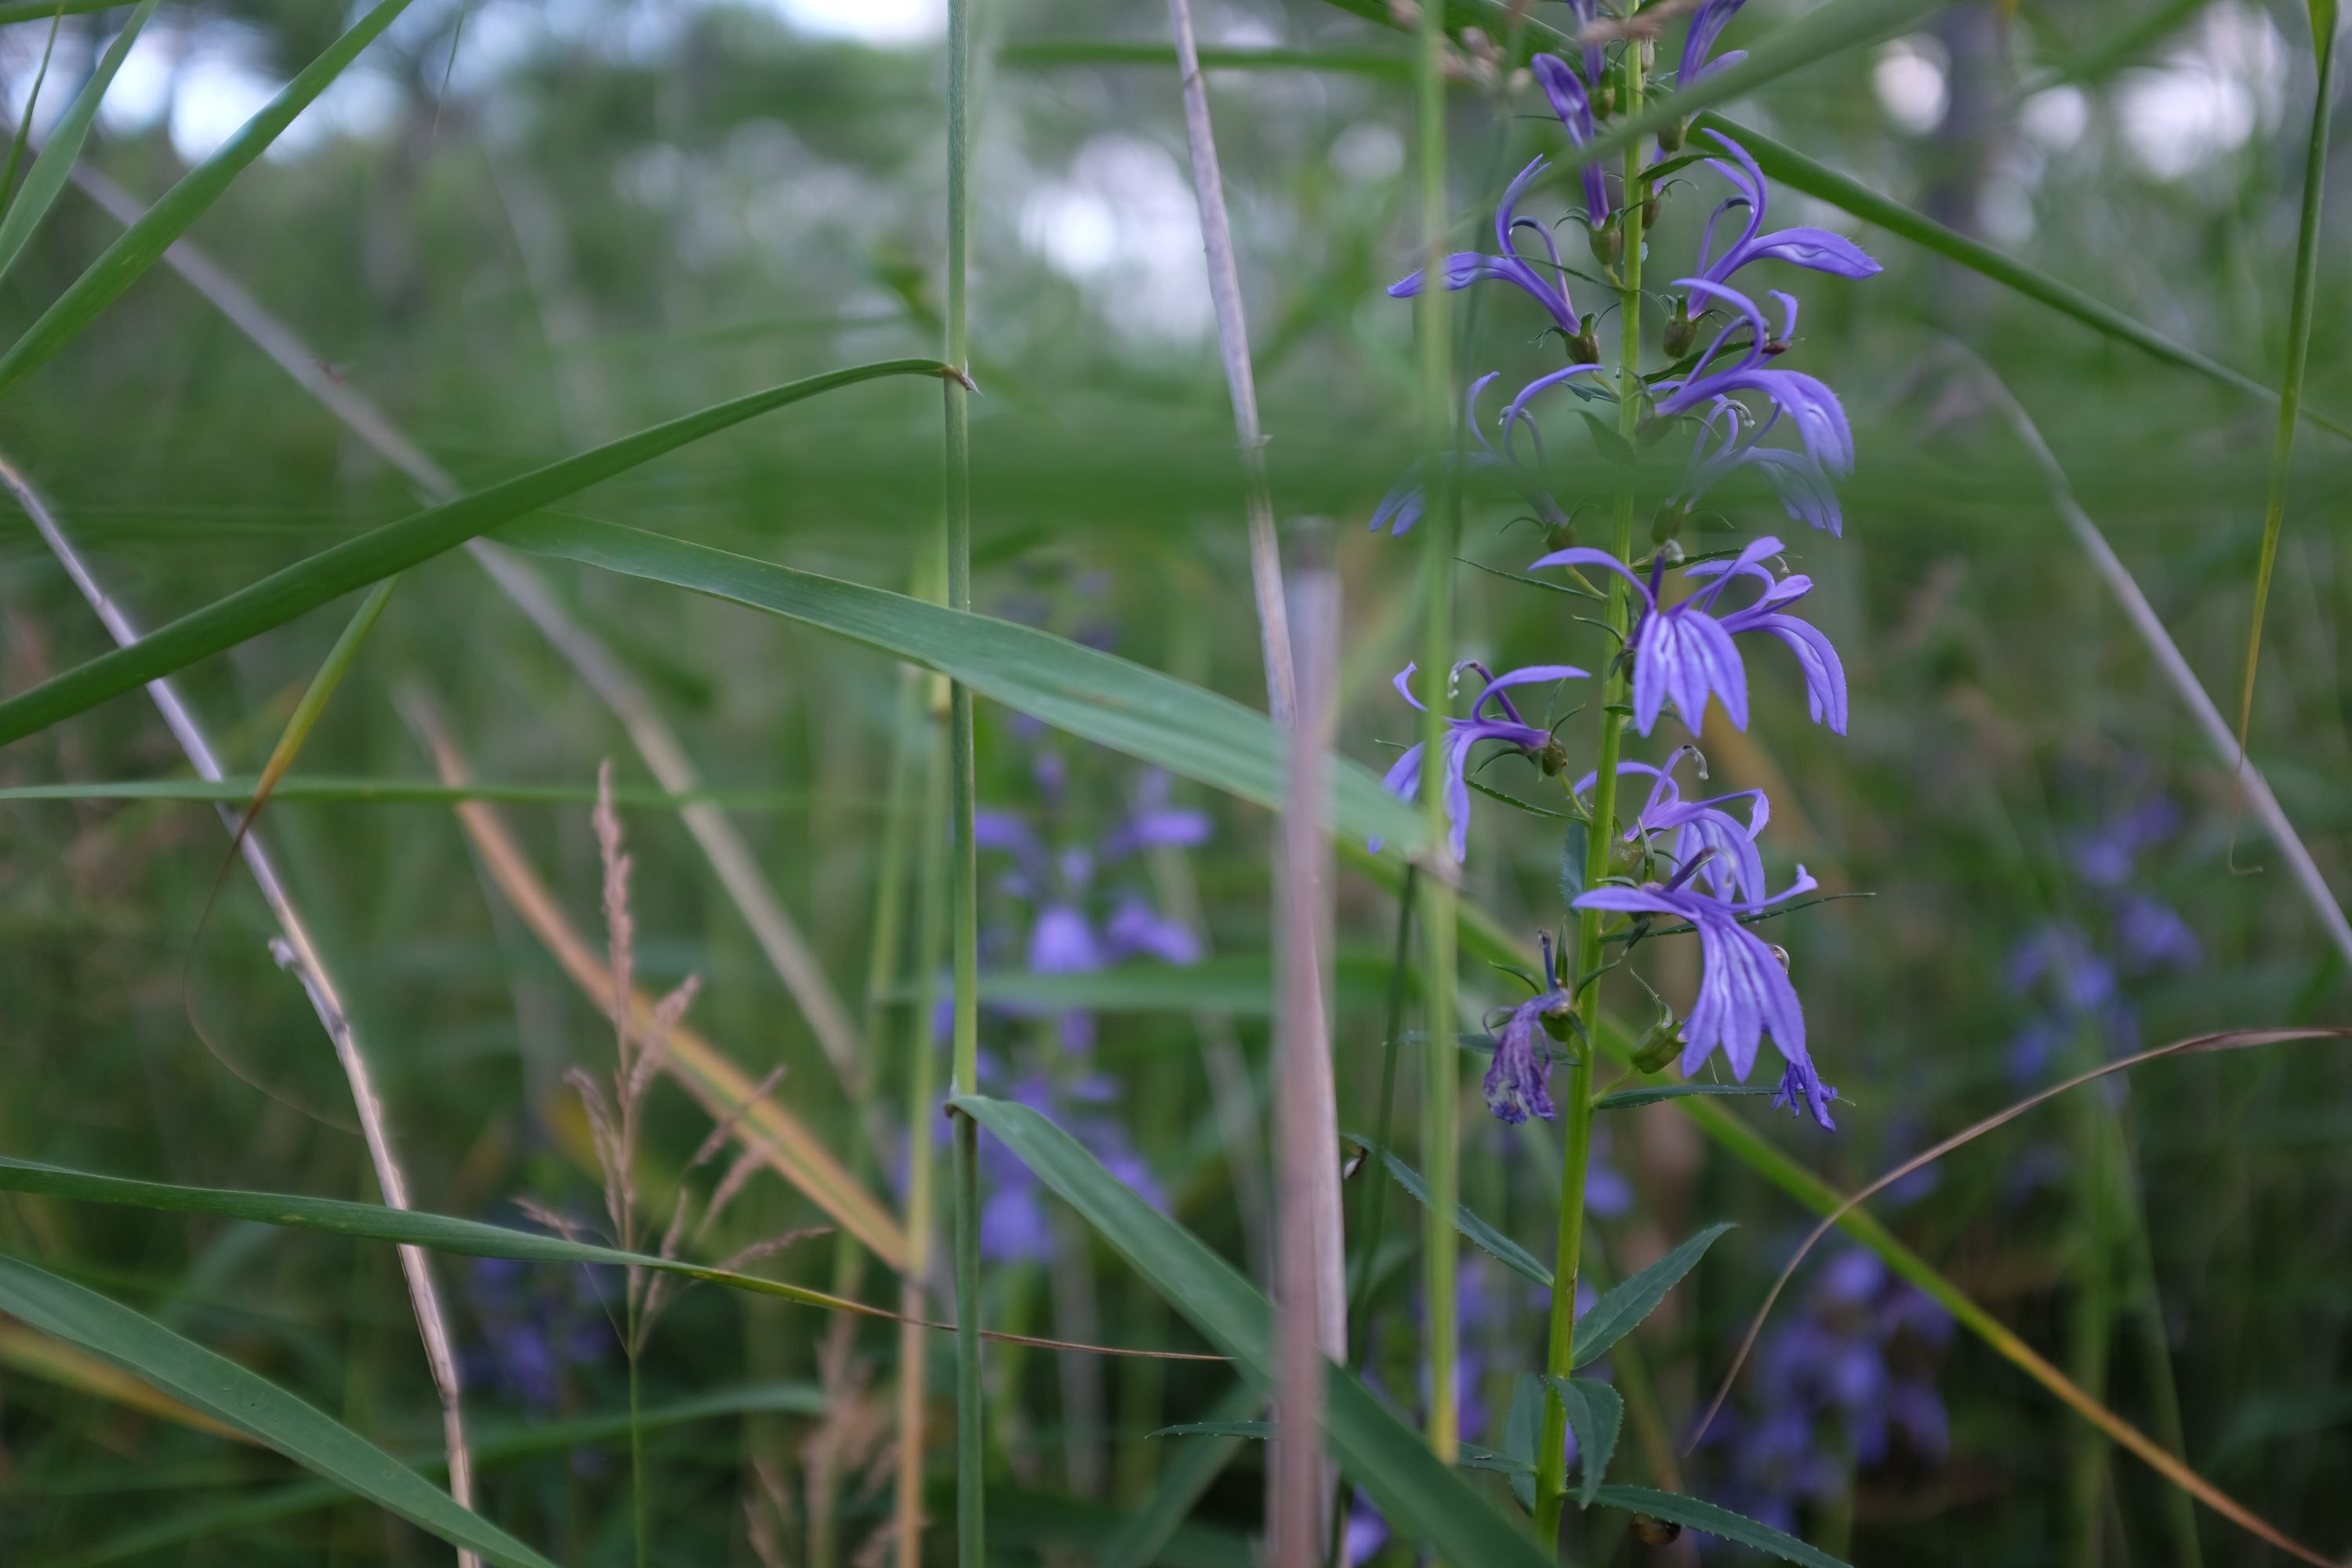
2298 347
1792 168
1245 1430
492 1449
1096 696
1719 1523
1628 1099
43 10
213 1383
372 1222
1422 1498
143 242
1613 1316
46 178
1476 1231
1596 1413
1152 1526
320 789
392 548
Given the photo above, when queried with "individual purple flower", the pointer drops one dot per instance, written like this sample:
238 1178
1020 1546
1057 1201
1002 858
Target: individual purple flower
1702 828
1684 652
1731 437
1820 250
537 1324
1807 402
2154 936
1543 281
1503 724
1705 30
1802 1090
1574 106
2108 856
1744 991
1402 506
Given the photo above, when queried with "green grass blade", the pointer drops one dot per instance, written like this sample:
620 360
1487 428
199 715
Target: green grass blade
372 1222
44 10
228 1392
492 1450
322 789
18 142
1614 1315
1097 696
391 549
141 245
2298 346
1053 53
1630 1099
1719 1523
47 176
1422 1498
1792 168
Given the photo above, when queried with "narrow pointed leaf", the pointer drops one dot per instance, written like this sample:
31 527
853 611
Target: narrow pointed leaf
396 546
1523 1435
141 245
1476 1231
1152 1526
1248 1431
1595 1413
1719 1523
220 1388
1096 696
1614 1315
46 178
1792 168
1422 1498
1629 1099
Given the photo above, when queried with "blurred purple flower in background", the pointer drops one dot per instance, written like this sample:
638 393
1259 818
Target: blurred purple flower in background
1014 1226
1847 1380
538 1325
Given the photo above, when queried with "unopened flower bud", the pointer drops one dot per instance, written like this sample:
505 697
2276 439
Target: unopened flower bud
1553 760
1670 136
1608 243
1661 1045
1584 348
1682 330
1560 536
1650 214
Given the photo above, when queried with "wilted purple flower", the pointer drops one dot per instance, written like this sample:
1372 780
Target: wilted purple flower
1744 993
1404 779
1569 102
1519 1082
1684 651
1545 281
1802 1090
1701 828
1706 28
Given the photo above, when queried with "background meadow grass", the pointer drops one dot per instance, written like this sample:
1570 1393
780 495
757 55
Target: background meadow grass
525 230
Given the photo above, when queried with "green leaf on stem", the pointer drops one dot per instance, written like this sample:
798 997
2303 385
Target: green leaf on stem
1719 1523
1628 1099
1595 1413
1477 1231
1614 1315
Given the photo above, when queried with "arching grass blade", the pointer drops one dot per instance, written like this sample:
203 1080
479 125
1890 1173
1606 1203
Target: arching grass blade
393 548
46 178
220 1388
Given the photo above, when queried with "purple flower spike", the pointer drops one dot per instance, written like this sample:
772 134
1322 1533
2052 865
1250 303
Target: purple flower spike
1743 993
1403 780
1542 280
1818 248
1519 1081
1705 31
1568 101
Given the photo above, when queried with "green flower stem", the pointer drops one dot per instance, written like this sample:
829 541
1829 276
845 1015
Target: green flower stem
1441 1081
1551 1453
971 1551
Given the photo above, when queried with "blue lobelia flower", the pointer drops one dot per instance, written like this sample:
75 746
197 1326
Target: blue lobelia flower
1729 438
1703 830
1519 1082
1505 725
1744 992
1706 30
1402 506
1820 250
1544 283
1574 106
1684 652
1807 401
